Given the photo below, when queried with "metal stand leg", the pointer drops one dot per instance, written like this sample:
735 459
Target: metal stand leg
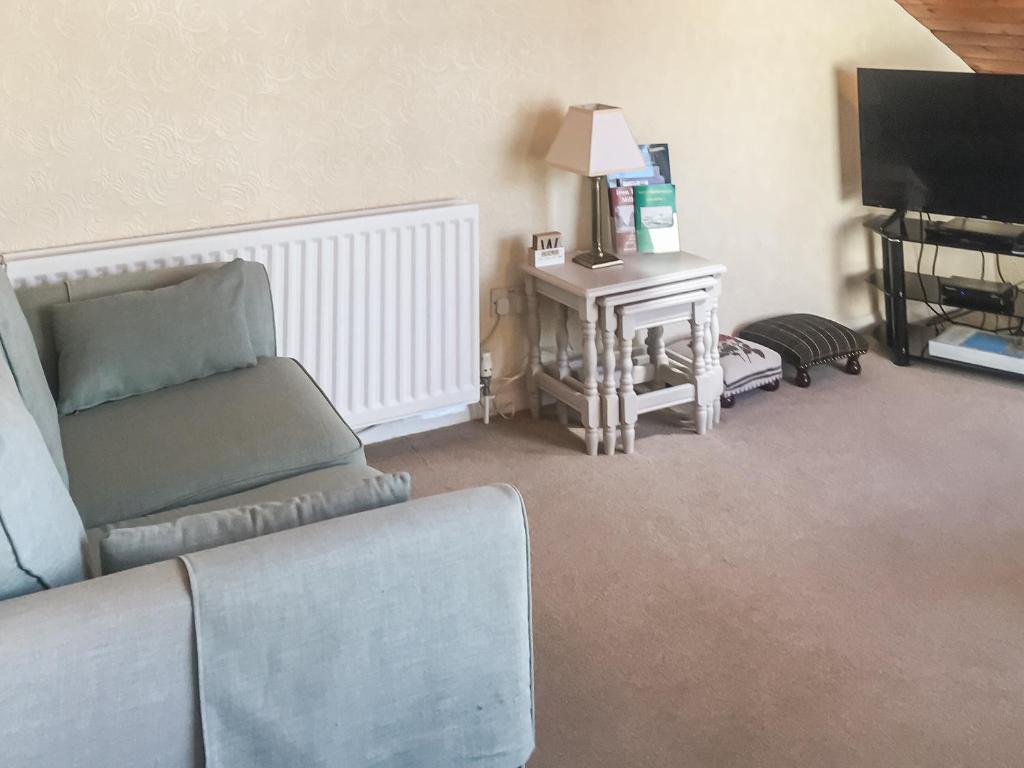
896 301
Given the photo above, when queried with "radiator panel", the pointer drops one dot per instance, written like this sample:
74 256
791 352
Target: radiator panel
381 307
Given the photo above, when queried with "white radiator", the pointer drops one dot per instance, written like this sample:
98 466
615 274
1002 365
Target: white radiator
380 306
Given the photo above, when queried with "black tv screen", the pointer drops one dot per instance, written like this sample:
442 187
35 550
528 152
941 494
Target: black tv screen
943 142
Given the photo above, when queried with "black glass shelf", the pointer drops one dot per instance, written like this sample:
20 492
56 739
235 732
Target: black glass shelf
925 288
963 234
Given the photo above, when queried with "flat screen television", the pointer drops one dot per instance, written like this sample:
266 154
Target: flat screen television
943 142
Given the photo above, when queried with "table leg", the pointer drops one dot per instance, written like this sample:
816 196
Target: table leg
656 347
715 361
592 431
698 343
562 342
533 339
609 395
627 395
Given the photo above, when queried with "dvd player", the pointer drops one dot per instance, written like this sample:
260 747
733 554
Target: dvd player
979 295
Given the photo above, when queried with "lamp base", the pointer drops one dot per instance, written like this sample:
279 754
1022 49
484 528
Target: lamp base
597 260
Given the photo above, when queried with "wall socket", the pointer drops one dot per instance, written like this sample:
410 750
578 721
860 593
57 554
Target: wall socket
507 301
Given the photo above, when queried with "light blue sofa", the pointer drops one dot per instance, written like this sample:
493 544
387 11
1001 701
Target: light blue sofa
103 672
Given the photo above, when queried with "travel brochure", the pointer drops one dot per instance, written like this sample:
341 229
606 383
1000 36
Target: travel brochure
642 205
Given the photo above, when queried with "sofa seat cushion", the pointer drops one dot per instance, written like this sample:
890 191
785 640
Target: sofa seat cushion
202 440
328 480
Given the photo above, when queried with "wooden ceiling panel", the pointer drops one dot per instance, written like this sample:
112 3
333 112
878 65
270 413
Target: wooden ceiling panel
987 34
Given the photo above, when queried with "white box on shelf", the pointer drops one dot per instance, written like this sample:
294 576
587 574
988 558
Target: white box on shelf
976 347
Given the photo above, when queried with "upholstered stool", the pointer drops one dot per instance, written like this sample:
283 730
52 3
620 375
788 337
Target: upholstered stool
746 366
808 340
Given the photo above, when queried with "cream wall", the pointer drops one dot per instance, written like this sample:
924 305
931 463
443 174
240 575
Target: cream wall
129 117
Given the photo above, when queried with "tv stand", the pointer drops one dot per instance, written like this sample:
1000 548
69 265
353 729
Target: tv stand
909 341
1017 249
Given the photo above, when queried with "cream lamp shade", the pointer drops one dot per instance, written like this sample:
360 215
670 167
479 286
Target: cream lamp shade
595 140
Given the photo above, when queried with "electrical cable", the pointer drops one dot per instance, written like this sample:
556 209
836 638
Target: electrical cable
494 330
941 313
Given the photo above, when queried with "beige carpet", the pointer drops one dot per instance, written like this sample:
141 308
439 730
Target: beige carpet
834 578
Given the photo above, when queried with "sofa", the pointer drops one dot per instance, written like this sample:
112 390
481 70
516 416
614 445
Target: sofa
103 672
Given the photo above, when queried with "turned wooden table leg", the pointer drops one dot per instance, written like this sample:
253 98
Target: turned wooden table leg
656 353
627 395
562 343
698 344
533 340
715 357
592 431
609 394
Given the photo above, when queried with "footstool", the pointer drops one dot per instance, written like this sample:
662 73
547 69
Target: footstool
808 340
746 366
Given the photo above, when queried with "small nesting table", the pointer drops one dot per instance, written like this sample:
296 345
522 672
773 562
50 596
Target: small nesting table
648 292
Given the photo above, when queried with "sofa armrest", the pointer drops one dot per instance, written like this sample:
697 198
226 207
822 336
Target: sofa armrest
104 672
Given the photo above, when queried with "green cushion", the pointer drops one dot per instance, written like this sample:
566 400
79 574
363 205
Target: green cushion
327 480
141 341
42 542
18 349
131 547
38 301
202 440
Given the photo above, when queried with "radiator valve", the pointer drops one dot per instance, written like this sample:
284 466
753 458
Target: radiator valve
486 374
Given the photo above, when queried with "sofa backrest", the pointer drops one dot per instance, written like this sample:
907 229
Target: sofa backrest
37 301
19 359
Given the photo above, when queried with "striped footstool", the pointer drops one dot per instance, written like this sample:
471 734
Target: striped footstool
808 340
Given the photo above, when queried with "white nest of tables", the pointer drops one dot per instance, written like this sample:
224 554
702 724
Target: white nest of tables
647 293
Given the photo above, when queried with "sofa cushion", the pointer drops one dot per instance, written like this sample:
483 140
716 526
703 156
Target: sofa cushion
38 302
202 440
133 546
327 480
18 350
42 542
117 346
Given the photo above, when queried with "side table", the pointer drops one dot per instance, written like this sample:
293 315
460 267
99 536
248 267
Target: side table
599 297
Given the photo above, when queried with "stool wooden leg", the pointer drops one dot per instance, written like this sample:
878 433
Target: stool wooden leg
627 395
853 365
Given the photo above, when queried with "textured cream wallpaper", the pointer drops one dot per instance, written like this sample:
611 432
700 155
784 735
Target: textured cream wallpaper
124 117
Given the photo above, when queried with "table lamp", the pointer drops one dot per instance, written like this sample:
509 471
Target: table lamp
595 140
